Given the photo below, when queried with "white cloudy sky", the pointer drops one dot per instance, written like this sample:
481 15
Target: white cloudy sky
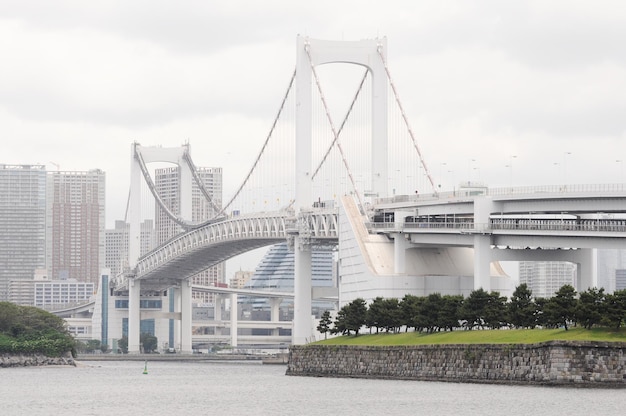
542 80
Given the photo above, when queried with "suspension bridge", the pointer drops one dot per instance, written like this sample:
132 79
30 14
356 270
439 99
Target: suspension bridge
322 179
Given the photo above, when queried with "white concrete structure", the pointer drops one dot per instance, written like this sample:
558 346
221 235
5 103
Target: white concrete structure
311 53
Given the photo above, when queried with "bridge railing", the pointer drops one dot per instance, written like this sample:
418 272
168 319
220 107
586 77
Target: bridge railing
600 225
474 191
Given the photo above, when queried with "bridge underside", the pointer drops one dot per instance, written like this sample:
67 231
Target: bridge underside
195 261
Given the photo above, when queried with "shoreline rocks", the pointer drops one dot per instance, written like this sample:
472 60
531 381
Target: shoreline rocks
34 360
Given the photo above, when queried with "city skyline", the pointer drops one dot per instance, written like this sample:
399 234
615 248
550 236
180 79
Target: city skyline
507 94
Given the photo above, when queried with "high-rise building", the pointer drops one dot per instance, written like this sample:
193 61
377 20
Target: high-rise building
544 278
22 223
240 278
116 242
75 225
167 183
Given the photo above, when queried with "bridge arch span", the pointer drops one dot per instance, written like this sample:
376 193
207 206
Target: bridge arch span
201 248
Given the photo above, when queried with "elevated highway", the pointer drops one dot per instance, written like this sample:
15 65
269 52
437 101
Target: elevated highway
582 216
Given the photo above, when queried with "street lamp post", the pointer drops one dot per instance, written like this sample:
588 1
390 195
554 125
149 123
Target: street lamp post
441 165
510 166
469 170
565 154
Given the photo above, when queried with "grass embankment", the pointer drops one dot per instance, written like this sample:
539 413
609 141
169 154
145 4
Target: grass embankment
506 336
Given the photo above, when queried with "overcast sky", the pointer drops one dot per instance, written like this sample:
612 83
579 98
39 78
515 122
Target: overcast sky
544 81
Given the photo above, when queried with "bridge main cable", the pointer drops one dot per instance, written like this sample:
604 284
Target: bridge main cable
269 135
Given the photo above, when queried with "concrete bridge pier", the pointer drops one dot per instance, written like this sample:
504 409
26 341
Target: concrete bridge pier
586 270
275 312
400 245
134 315
301 333
218 312
482 244
185 317
234 316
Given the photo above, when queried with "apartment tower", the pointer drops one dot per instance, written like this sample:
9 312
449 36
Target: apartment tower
22 223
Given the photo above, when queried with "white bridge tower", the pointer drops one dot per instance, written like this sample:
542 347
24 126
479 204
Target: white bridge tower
311 53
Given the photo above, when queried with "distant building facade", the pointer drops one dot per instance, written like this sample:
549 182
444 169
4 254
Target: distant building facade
620 279
75 225
57 293
22 292
275 272
240 279
544 278
116 244
611 268
167 183
22 223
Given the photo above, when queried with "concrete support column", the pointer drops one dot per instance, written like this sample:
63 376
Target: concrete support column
275 312
301 332
483 207
177 322
482 262
234 316
586 270
400 245
218 312
185 317
134 315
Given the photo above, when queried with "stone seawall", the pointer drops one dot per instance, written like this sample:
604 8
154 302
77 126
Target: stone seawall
27 360
558 363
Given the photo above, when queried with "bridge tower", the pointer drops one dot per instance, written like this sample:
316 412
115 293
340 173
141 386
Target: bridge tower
139 155
312 53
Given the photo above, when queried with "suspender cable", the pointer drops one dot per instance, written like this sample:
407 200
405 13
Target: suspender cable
406 120
343 123
332 126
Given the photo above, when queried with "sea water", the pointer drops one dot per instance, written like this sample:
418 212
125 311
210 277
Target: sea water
250 388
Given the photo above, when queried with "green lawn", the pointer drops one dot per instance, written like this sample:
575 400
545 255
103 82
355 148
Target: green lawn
506 336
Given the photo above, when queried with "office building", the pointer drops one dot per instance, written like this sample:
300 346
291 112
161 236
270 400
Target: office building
22 223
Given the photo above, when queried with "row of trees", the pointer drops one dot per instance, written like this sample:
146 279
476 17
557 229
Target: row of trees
26 329
480 309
